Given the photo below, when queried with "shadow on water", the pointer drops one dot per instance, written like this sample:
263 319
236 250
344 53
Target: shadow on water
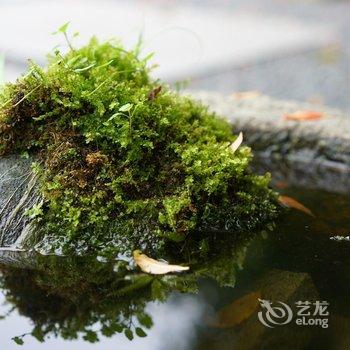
214 306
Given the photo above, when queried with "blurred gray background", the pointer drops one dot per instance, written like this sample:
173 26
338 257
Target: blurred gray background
290 49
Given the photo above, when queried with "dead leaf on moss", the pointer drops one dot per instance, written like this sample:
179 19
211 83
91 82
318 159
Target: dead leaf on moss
293 203
304 116
155 267
236 143
95 158
154 93
238 311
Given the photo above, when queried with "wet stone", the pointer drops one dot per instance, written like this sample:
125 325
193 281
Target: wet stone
313 153
18 192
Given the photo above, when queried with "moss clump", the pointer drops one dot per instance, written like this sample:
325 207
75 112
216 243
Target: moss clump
124 161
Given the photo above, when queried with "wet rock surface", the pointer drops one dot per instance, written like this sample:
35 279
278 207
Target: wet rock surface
18 192
17 259
314 153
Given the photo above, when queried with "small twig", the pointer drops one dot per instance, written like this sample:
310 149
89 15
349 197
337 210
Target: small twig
22 99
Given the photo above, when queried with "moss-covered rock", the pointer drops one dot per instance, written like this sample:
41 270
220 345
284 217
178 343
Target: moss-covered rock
122 160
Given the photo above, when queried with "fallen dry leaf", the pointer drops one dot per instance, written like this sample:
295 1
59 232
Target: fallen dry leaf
155 267
293 203
281 184
236 143
242 95
304 116
238 311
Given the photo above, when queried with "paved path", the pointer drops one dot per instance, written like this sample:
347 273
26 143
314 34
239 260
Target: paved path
189 40
285 48
321 76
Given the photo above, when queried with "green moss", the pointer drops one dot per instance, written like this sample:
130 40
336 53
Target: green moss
123 161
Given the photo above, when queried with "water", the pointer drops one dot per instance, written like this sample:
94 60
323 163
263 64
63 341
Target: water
60 299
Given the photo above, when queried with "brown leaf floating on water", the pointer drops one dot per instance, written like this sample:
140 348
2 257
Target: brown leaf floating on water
293 203
238 311
153 266
304 116
236 143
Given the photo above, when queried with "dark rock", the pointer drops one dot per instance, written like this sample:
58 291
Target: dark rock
18 192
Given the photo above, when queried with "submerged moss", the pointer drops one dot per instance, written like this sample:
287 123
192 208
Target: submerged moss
122 160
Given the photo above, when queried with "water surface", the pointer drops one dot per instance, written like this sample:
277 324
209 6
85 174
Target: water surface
56 299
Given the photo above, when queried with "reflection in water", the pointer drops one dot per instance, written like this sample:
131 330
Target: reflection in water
94 297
